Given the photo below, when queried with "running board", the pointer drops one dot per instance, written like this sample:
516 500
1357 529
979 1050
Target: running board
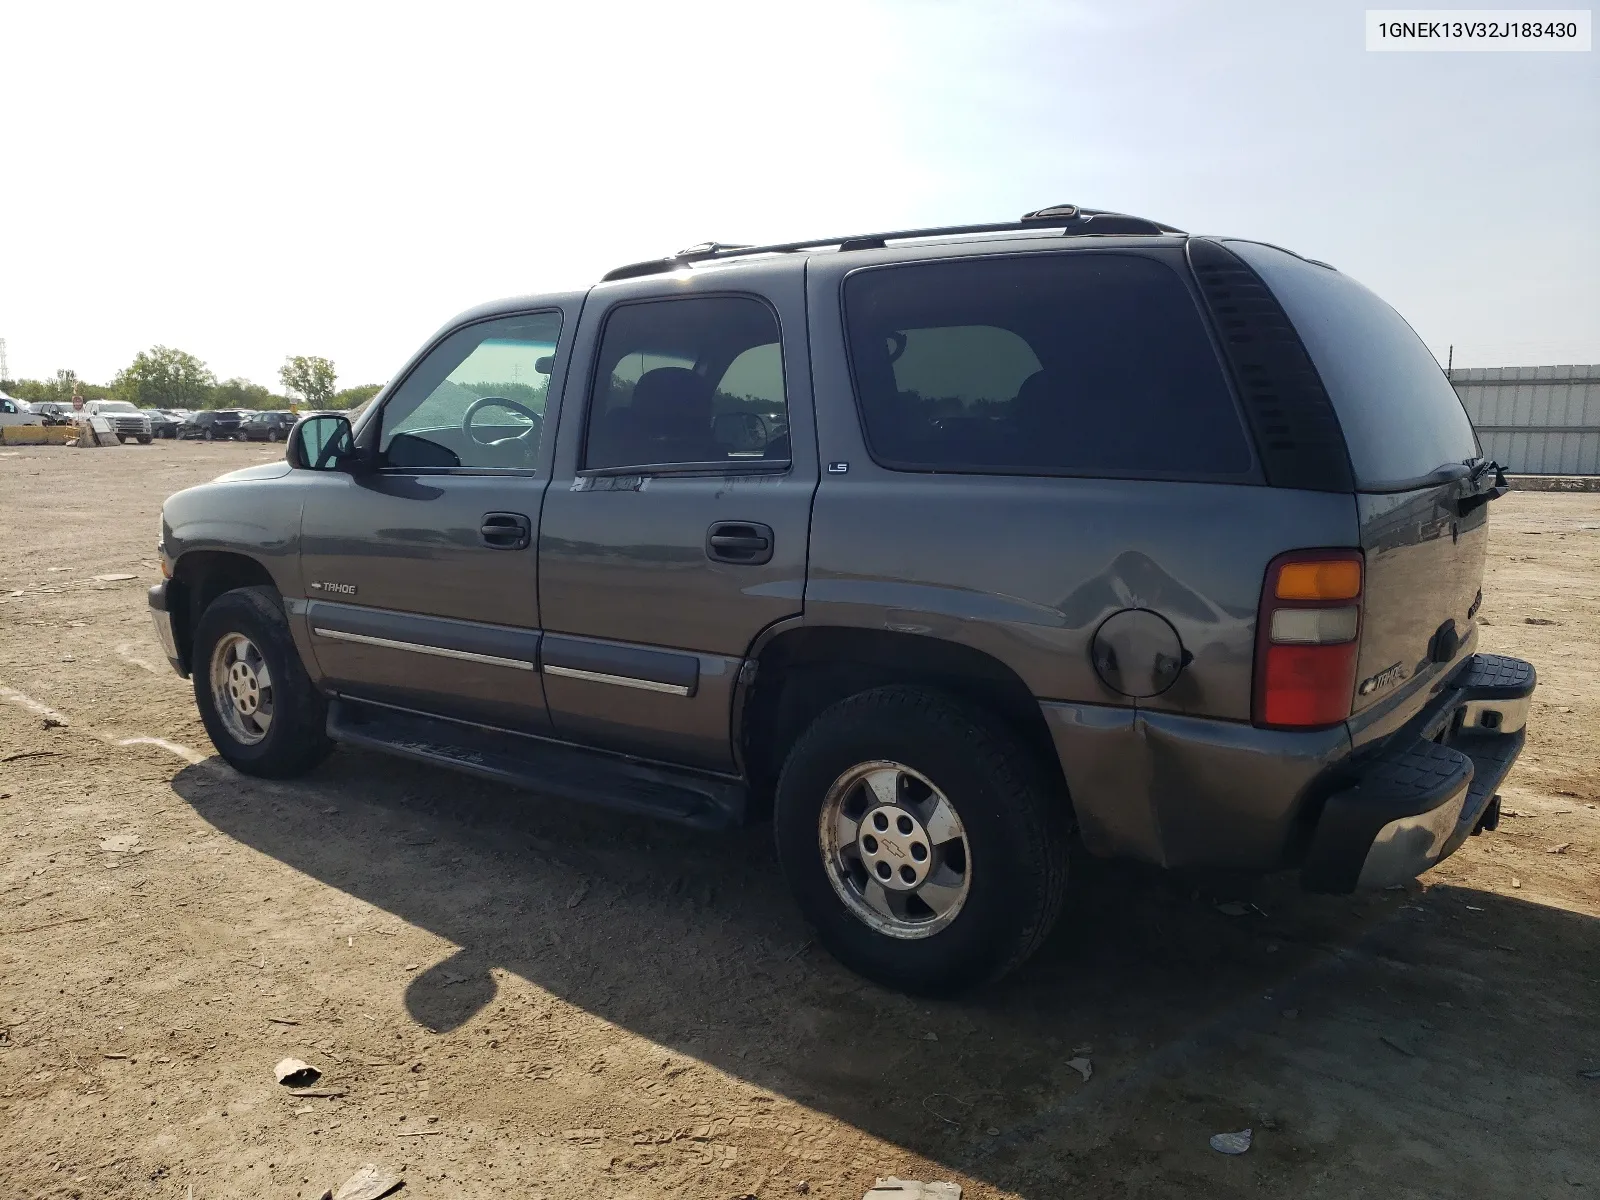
551 768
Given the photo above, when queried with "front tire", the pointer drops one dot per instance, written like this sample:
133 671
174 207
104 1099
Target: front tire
256 701
920 840
145 439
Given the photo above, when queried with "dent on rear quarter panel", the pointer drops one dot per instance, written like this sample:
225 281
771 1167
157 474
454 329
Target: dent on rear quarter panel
1027 569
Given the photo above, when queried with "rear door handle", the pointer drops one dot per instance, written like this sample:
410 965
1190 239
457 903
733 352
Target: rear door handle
506 531
742 542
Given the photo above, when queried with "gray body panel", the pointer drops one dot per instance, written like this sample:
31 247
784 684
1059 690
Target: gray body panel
409 544
246 512
623 557
1424 567
1185 791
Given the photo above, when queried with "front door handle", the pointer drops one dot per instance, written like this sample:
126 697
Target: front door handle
506 531
742 542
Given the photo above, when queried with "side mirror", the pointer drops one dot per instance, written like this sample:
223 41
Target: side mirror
545 364
323 442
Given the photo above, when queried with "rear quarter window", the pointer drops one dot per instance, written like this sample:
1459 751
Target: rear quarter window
1069 363
1401 418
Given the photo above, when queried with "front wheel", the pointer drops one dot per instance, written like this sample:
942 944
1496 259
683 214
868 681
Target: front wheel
144 439
255 699
921 840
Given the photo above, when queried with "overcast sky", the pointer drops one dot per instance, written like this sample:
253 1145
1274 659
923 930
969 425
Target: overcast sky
251 181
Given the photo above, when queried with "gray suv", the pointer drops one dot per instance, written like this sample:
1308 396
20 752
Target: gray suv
938 548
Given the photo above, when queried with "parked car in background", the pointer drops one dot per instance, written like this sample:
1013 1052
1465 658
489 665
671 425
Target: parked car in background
162 423
18 412
126 420
54 412
269 426
213 424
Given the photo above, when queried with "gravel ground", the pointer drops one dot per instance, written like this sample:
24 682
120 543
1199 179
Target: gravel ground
509 997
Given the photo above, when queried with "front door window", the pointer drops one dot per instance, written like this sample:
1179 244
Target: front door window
477 401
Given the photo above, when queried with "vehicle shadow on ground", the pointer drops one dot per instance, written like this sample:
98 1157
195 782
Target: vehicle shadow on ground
690 940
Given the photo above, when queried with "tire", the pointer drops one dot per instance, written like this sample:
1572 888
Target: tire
209 436
122 439
145 439
1013 833
294 738
272 435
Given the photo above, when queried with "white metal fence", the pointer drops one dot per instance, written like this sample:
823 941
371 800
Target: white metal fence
1535 420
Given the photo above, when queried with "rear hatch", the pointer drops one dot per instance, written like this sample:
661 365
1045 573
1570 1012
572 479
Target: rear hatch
1421 487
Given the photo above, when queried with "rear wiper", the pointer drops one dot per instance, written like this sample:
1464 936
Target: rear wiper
1476 497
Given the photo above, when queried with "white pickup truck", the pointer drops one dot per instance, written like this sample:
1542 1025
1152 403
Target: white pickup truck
126 420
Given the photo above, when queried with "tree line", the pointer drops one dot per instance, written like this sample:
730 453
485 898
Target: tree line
164 377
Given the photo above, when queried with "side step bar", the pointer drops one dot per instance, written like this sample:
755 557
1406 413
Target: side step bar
554 769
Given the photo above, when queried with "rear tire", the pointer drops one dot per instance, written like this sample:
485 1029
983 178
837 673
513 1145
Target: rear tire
272 435
256 701
992 859
209 436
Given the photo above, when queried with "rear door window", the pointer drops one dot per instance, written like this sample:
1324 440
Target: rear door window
688 381
1062 363
1401 418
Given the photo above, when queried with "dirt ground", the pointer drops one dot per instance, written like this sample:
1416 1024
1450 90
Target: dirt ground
513 998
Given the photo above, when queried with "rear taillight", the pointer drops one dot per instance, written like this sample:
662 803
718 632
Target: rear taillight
1307 638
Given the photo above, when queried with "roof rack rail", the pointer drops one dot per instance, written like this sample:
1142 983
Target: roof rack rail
1069 218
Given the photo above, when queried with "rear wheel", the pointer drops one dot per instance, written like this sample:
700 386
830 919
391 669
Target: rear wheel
920 840
273 435
209 435
255 699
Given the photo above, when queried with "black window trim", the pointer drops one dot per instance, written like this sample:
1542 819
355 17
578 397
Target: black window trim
545 442
749 466
1252 476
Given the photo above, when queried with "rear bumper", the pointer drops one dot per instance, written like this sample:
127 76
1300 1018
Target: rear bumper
1431 786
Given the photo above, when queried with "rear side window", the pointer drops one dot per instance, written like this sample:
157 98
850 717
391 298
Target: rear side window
1401 418
1074 364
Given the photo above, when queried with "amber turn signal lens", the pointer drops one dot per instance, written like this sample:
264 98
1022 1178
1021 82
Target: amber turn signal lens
1339 579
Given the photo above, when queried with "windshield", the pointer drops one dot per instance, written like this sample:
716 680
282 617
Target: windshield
116 406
